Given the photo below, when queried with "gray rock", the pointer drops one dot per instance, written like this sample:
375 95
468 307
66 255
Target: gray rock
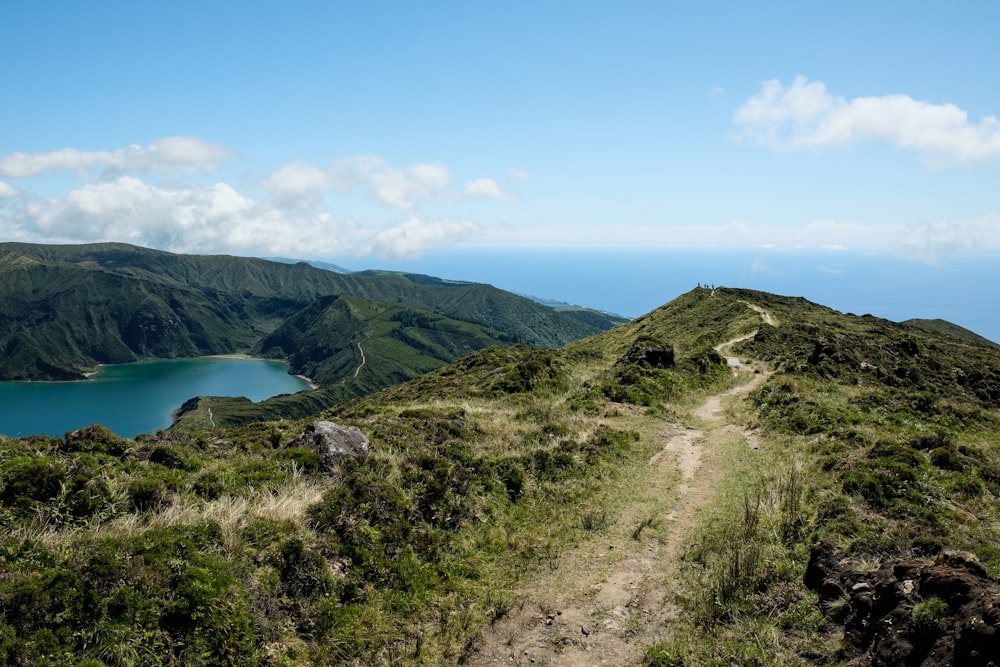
332 442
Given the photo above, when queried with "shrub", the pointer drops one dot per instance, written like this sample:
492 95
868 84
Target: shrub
30 478
302 571
931 616
87 494
368 518
169 456
593 522
50 599
209 485
303 458
511 474
537 371
96 439
946 458
442 489
889 474
149 494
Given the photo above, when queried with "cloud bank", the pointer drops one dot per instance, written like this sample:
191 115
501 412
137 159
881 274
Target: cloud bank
924 241
804 115
288 215
217 218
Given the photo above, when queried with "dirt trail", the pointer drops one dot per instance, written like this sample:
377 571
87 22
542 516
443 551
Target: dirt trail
613 596
363 360
764 315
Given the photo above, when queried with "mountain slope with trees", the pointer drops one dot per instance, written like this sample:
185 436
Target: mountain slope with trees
66 309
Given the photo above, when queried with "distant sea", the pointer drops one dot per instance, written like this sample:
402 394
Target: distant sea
632 282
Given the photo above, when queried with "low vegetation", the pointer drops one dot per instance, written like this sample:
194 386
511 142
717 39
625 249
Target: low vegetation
881 443
233 546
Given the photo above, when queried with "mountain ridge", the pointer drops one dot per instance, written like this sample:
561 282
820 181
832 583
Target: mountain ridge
628 494
65 309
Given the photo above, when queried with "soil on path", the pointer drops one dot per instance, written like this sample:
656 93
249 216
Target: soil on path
613 595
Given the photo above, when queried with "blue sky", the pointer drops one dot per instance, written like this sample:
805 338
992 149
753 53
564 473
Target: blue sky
367 132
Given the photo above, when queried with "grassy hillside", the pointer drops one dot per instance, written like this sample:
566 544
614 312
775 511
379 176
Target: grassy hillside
266 291
398 340
487 477
351 347
58 322
66 309
883 439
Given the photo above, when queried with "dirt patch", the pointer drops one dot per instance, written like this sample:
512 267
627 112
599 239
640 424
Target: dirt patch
613 595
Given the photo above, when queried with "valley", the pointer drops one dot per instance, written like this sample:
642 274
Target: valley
64 310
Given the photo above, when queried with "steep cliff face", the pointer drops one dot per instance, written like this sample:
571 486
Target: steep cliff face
154 330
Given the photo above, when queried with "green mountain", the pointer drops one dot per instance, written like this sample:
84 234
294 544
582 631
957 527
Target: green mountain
66 309
735 478
351 347
397 340
950 330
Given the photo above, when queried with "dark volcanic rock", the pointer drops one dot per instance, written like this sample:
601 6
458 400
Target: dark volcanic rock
910 613
332 442
650 352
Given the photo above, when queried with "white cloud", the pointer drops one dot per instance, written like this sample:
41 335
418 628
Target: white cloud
416 234
298 179
401 188
518 175
805 115
404 188
186 153
431 176
215 219
484 187
293 218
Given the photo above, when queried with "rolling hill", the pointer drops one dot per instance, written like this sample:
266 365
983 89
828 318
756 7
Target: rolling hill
629 497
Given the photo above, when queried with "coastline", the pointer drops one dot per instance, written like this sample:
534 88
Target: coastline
88 375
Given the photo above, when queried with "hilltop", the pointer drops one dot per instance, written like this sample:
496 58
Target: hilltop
630 496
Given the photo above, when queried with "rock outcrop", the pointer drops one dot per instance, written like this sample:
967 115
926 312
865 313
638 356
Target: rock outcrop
332 442
908 612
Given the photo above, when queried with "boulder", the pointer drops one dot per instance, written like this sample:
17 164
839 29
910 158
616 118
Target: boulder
332 442
649 352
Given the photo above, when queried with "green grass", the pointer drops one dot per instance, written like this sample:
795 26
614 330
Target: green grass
227 544
240 542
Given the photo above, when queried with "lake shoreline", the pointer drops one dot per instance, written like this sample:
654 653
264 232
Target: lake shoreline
139 397
88 375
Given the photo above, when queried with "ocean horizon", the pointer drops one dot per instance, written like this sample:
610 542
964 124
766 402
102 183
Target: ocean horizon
632 282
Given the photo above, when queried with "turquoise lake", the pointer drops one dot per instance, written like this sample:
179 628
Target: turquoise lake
136 398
